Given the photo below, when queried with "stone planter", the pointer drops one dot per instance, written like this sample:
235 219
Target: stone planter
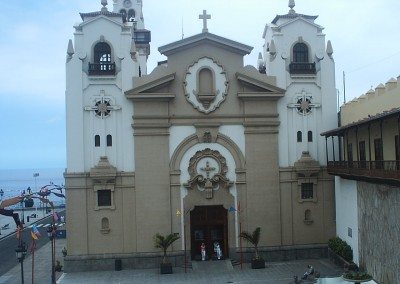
166 268
257 263
356 281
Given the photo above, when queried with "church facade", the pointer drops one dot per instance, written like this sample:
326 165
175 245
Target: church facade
202 146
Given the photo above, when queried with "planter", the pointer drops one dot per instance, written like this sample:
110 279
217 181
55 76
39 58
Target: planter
366 277
340 261
356 281
166 268
257 263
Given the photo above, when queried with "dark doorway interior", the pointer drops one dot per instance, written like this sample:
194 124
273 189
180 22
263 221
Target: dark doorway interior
209 224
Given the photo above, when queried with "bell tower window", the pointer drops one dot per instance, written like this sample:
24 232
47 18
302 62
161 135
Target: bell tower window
131 15
300 60
300 53
102 64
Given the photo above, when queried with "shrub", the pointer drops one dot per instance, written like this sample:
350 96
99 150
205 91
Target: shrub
341 248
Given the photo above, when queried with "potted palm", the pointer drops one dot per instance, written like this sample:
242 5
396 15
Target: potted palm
257 262
164 242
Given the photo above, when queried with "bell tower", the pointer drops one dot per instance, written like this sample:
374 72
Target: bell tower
108 50
296 53
132 14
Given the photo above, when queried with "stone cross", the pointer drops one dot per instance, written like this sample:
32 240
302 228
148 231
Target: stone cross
102 106
208 169
204 17
304 104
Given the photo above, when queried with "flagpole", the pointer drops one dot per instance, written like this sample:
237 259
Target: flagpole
33 260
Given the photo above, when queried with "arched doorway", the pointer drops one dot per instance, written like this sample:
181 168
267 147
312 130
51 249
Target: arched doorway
209 224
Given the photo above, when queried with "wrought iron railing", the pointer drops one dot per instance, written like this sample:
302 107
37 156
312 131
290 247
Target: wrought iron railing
302 68
101 69
366 169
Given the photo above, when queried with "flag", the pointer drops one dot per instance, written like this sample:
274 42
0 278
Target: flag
56 217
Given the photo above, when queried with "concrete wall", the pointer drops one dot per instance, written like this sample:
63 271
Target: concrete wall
379 235
347 214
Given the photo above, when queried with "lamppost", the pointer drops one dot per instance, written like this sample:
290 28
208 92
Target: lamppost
20 252
35 175
51 233
1 196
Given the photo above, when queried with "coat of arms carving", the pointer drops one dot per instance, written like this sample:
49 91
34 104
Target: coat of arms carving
207 170
205 85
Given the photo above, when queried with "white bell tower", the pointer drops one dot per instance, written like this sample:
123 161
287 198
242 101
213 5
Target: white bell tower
101 62
296 53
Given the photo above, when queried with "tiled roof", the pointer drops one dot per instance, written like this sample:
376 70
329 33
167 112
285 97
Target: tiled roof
293 16
364 121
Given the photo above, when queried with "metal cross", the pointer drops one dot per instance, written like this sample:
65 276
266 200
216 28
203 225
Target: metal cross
304 104
208 169
102 107
204 17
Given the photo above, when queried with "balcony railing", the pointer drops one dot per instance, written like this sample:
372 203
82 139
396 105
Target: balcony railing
302 68
101 69
374 171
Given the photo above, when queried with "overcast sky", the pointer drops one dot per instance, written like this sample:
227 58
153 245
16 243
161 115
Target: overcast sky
34 36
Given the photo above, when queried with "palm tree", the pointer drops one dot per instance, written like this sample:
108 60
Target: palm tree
252 238
164 243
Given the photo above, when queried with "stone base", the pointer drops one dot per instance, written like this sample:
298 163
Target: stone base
128 261
283 253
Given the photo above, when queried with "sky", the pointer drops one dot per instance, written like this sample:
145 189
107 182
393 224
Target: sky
34 36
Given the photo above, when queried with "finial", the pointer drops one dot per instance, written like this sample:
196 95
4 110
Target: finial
329 49
104 3
70 50
291 6
272 48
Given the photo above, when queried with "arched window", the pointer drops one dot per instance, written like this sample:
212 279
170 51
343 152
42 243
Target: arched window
299 136
131 15
97 140
102 55
309 135
109 140
300 53
123 12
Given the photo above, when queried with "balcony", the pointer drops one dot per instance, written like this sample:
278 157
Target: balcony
142 36
302 68
102 69
382 172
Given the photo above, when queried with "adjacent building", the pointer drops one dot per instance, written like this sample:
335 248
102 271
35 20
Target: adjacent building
367 171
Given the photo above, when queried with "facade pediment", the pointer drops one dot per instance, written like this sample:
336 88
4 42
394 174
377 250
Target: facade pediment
156 82
254 81
114 20
299 19
209 38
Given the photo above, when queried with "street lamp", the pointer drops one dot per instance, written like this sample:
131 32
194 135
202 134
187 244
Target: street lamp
20 253
51 233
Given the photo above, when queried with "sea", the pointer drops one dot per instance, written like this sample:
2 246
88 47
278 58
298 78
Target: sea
14 182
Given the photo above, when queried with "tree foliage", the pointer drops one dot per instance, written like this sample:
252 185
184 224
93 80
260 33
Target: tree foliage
253 238
164 242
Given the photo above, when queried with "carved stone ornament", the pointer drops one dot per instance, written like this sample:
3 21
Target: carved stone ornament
207 170
205 85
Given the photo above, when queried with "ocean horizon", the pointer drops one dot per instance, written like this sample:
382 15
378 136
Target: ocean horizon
14 181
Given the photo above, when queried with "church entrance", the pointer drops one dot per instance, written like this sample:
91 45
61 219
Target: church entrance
209 225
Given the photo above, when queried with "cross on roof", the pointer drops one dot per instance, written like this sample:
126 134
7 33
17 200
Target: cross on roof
205 17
